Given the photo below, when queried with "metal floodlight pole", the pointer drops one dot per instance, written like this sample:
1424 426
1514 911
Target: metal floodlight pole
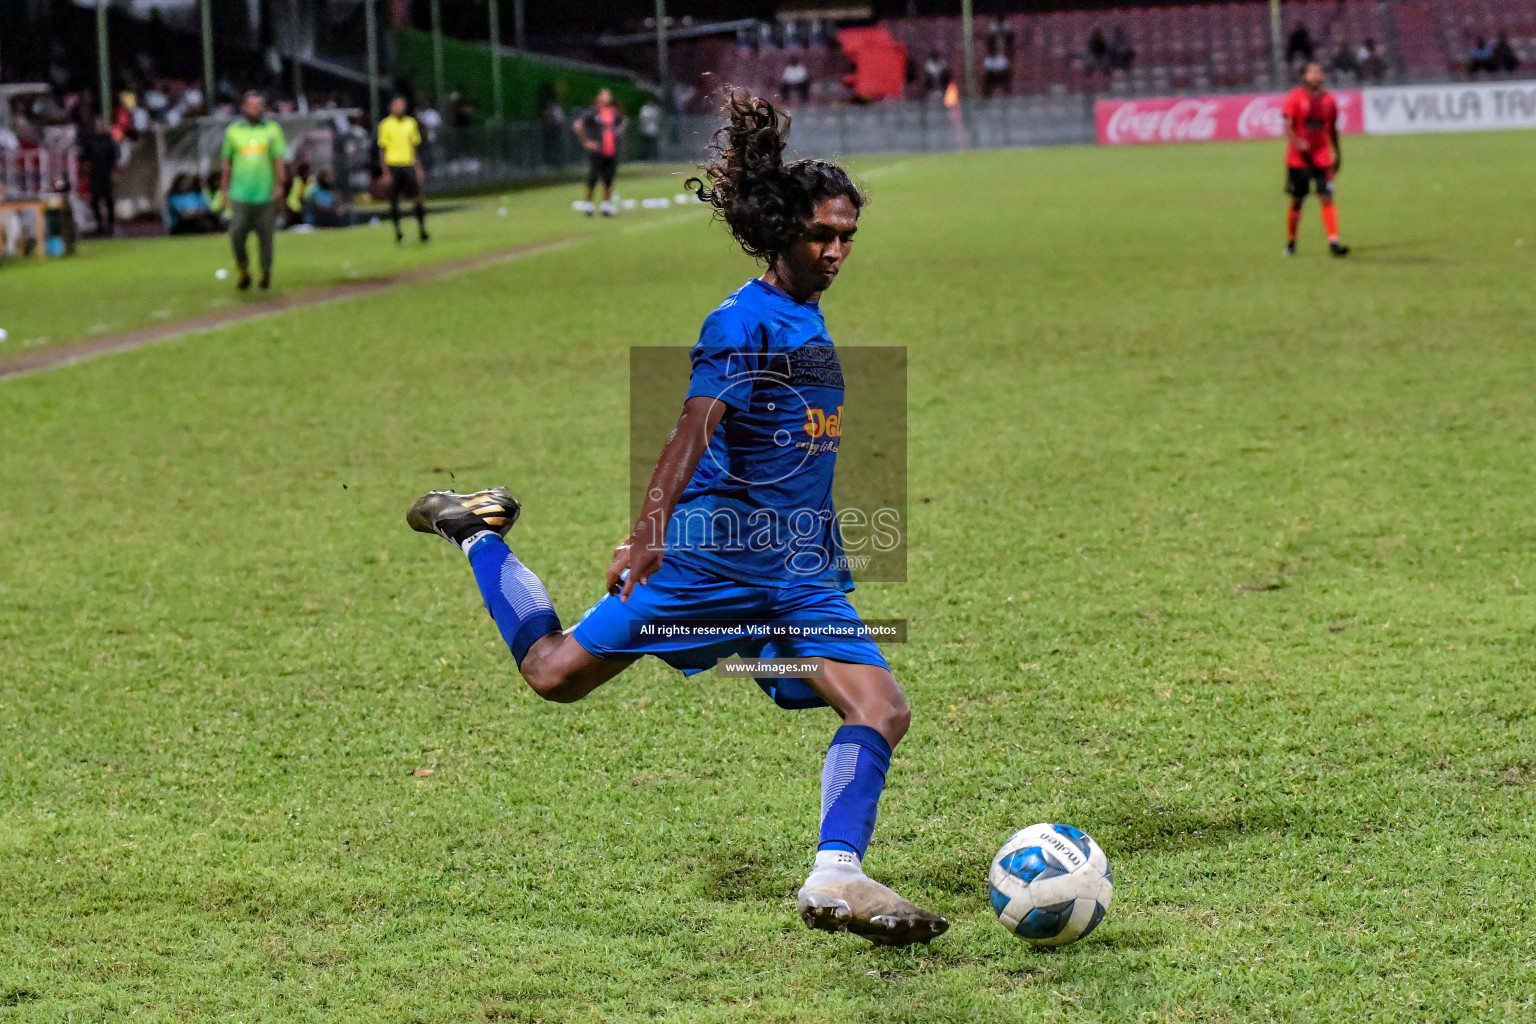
663 67
370 25
210 93
968 45
293 46
103 61
437 52
519 30
496 108
1276 45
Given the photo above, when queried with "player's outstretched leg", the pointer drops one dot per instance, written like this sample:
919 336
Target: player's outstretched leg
838 895
556 667
477 522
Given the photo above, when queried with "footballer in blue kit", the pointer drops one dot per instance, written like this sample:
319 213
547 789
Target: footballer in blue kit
737 549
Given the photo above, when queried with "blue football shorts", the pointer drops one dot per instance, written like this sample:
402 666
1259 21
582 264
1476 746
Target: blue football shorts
670 616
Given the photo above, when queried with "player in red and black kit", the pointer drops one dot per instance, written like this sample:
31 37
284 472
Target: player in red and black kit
1313 156
601 130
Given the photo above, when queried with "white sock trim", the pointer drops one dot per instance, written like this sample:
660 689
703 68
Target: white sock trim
837 862
469 542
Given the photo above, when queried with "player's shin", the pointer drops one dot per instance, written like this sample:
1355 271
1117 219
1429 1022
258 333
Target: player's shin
851 783
513 595
1292 221
1331 221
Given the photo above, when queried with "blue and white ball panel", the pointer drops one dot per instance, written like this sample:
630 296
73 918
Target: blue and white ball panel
1050 884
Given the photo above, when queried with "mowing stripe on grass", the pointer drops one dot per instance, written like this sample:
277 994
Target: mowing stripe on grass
68 355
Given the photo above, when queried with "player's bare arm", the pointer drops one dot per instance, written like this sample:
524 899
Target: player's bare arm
581 134
641 554
1338 151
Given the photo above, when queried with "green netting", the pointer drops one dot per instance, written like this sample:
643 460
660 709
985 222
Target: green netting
527 81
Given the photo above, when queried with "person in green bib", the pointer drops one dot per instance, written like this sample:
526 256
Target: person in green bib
253 154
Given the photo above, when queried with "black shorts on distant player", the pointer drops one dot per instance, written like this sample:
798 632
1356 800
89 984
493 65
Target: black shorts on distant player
1299 181
602 170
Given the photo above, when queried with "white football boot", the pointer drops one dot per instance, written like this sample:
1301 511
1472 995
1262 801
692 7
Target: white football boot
838 896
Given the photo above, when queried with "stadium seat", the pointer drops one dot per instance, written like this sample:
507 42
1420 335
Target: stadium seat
1198 46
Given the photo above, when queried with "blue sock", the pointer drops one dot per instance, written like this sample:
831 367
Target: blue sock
851 783
513 594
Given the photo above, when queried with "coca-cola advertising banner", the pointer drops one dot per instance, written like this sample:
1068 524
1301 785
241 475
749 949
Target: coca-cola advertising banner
1208 118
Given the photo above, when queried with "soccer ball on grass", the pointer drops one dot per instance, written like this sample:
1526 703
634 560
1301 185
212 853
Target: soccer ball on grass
1050 884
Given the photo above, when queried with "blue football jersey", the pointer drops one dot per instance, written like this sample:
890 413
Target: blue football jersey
759 507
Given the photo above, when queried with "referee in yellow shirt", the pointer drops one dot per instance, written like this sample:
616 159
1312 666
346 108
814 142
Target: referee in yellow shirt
399 136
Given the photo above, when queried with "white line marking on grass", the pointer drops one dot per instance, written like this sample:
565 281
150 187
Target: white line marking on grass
84 351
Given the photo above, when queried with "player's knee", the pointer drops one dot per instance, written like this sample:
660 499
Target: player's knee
899 722
891 716
554 689
548 681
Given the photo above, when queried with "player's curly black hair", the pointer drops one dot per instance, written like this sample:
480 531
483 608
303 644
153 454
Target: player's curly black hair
763 200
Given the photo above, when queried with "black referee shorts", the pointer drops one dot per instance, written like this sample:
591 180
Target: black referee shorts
403 183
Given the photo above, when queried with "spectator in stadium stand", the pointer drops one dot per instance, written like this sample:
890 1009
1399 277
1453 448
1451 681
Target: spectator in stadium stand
99 150
298 191
552 129
322 207
996 73
215 196
605 122
1505 61
1098 51
650 130
1481 58
1299 46
1371 67
186 208
795 81
1121 54
1343 62
999 35
936 74
156 104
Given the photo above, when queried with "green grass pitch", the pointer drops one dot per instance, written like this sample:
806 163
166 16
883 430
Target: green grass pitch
1226 559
